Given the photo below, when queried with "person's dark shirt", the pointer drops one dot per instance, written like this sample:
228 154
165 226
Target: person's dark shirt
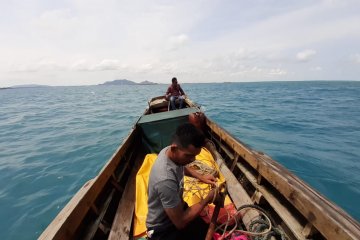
175 91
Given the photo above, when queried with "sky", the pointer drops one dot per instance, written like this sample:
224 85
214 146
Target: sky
86 42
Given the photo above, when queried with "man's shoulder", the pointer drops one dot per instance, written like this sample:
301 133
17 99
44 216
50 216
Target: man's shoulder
165 168
160 162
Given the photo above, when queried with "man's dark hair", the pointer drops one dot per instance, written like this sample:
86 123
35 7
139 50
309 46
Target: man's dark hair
187 134
173 79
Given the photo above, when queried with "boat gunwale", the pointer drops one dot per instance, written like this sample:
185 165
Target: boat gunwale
67 221
329 219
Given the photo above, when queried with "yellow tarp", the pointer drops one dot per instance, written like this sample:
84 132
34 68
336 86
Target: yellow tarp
141 195
193 189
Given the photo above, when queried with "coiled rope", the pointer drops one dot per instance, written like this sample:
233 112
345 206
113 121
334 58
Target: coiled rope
192 183
260 228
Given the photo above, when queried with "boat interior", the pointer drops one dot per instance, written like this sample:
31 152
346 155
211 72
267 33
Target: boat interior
104 207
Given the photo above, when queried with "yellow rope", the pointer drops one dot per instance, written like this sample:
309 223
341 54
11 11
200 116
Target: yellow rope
192 183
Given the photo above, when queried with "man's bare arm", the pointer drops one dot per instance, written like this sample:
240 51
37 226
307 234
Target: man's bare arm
180 218
209 179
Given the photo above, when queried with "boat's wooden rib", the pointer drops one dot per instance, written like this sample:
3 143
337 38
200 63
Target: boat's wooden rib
90 233
292 222
331 221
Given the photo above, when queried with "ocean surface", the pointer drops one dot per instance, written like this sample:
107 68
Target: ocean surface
53 140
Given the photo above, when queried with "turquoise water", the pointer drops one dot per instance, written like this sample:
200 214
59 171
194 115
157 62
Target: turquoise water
53 140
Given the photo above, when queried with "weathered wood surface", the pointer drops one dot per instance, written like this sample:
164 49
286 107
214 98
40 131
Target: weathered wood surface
237 193
330 220
293 224
120 229
322 215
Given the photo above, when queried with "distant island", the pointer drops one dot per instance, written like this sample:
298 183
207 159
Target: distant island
127 82
29 86
114 82
147 83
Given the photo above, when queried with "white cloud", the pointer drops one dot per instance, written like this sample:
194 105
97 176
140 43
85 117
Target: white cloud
108 64
277 71
301 27
317 68
305 55
144 68
178 41
56 23
102 65
55 17
38 66
202 40
356 58
81 65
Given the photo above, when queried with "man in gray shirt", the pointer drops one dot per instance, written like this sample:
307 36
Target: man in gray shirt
168 215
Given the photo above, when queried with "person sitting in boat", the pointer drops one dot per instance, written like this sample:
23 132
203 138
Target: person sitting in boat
169 217
174 92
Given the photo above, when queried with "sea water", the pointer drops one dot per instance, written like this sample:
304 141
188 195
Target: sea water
53 140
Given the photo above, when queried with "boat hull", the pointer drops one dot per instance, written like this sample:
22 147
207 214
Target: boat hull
103 208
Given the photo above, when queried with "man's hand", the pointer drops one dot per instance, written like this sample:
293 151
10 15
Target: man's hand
209 179
216 195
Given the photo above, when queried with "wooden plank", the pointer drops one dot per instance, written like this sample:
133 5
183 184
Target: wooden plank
120 229
237 193
92 229
329 219
308 230
257 196
191 103
289 220
234 162
225 149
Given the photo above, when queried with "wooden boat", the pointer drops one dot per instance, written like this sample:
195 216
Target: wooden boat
103 208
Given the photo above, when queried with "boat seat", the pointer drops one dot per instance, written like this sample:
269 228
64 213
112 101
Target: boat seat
161 104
